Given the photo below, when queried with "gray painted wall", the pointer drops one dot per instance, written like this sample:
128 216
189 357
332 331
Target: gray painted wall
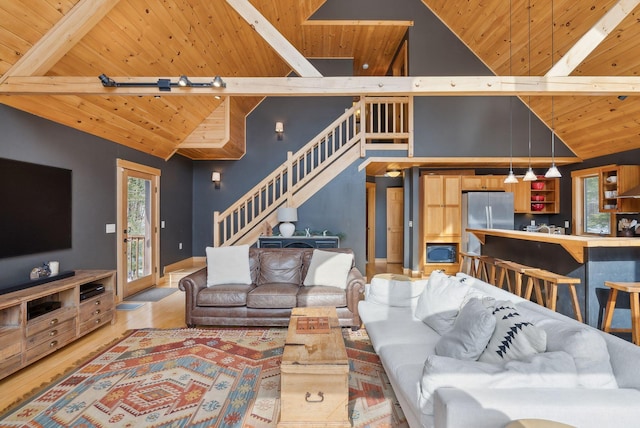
93 161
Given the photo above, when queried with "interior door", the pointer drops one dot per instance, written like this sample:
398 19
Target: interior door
395 224
138 228
371 222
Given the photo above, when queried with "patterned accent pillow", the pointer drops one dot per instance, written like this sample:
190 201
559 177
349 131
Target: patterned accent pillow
513 338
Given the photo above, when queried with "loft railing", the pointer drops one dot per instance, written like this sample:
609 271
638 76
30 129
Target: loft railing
283 186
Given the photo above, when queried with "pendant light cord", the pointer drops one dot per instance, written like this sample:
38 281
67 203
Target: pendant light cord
529 46
510 98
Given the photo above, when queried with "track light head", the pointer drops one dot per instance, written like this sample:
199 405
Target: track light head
107 82
184 81
219 83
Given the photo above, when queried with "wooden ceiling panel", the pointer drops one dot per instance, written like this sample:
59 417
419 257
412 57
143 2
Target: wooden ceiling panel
590 126
168 38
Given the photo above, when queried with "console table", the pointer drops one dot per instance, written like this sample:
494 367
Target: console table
299 242
26 336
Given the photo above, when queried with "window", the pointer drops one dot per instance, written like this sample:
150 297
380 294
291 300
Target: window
594 220
586 204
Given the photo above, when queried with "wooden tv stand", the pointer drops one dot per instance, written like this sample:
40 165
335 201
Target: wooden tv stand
24 339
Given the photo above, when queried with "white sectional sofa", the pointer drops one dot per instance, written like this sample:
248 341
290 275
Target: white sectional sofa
594 380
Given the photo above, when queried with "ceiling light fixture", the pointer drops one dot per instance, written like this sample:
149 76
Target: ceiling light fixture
164 85
553 171
530 175
393 173
511 178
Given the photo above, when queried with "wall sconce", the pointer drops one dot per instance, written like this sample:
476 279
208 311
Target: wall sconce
279 130
215 177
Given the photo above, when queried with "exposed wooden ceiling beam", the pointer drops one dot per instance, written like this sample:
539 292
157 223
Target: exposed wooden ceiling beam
60 38
271 35
339 86
592 38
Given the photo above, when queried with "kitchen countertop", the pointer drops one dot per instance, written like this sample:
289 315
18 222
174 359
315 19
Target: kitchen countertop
573 244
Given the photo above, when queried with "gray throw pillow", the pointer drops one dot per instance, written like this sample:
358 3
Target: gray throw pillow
471 332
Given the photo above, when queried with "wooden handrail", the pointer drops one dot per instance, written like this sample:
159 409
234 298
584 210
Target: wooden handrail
281 186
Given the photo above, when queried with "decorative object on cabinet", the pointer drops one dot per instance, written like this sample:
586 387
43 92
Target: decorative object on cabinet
285 216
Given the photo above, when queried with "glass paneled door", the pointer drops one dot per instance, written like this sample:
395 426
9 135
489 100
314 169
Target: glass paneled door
139 230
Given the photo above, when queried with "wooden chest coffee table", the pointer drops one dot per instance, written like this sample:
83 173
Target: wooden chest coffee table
314 373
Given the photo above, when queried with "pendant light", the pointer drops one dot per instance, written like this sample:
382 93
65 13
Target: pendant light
530 175
511 178
553 171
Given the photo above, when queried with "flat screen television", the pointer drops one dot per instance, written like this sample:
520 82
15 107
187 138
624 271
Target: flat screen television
36 208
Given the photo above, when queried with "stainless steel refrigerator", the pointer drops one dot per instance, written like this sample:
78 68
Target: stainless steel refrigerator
485 210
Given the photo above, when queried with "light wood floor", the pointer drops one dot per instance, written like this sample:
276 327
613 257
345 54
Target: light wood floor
167 313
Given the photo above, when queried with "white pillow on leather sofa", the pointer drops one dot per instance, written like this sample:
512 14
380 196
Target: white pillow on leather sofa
228 265
328 268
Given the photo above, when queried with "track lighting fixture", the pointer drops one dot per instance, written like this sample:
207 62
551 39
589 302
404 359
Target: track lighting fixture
218 82
164 85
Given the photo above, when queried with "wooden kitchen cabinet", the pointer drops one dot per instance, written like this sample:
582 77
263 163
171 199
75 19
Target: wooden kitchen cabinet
480 183
536 197
615 180
442 197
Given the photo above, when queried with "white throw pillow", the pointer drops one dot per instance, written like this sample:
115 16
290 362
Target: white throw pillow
228 265
588 349
328 268
550 369
471 332
440 302
395 290
514 337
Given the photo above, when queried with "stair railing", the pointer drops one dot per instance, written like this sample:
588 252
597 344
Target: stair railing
383 118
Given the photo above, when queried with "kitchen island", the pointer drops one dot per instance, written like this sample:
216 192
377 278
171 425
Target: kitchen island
592 259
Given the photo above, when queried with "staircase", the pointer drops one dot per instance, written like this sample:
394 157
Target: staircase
309 169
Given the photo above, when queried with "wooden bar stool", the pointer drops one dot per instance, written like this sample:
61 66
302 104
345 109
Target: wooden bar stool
487 269
507 270
633 288
470 260
540 280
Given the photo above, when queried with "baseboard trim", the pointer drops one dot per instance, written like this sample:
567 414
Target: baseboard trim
184 264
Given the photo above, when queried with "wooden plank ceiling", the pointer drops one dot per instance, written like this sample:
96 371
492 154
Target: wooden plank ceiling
169 38
590 125
202 39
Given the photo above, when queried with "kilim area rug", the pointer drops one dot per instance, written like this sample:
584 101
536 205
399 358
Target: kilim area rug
197 378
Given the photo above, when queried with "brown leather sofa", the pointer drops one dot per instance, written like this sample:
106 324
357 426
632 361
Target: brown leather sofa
277 275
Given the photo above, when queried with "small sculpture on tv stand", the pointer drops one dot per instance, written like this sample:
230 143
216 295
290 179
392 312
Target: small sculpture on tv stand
40 272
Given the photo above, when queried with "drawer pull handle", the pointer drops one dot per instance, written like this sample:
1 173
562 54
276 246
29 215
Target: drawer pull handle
320 400
98 321
53 321
53 332
97 302
53 344
97 312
